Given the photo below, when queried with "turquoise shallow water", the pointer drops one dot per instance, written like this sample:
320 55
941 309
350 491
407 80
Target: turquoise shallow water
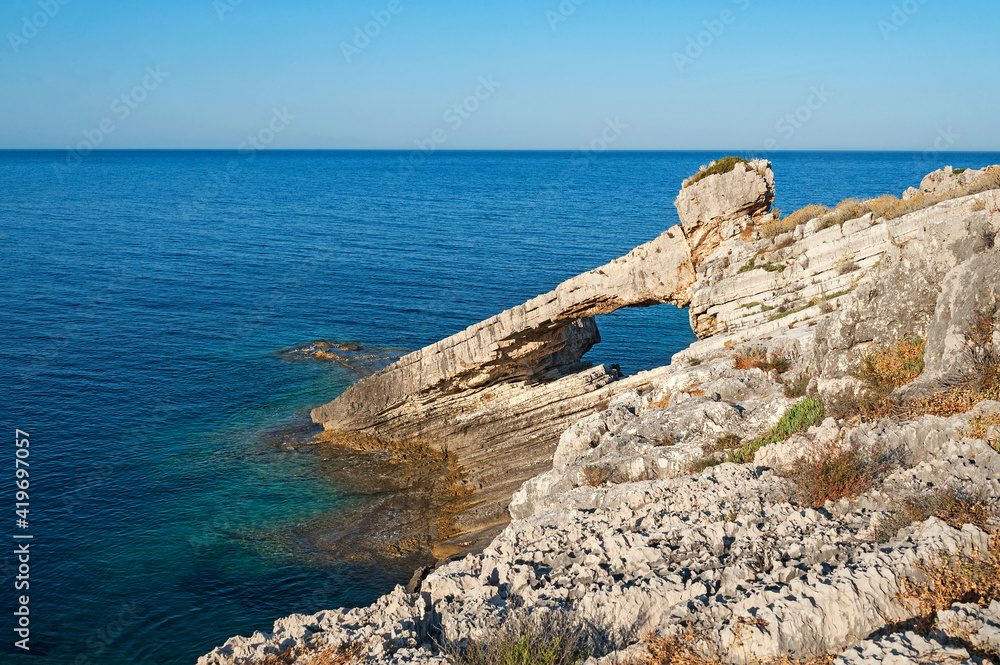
146 296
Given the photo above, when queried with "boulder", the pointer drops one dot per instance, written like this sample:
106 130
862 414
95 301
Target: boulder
720 206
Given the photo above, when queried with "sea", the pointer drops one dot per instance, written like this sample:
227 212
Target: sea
155 309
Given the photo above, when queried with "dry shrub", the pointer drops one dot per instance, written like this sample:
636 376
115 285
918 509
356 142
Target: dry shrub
966 577
749 233
948 505
797 388
979 381
984 183
723 443
685 650
889 207
757 358
342 655
598 475
750 359
846 210
803 215
833 472
846 266
882 371
661 403
980 426
776 227
894 366
979 205
706 461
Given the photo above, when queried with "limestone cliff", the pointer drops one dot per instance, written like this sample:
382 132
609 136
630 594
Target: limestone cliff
497 395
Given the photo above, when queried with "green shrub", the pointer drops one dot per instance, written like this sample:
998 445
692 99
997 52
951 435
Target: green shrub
798 418
549 639
718 167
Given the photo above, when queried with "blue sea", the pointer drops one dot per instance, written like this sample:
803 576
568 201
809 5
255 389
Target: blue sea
147 300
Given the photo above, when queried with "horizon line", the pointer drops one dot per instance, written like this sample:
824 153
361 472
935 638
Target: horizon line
537 150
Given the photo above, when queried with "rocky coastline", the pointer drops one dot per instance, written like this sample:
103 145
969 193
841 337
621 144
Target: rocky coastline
793 486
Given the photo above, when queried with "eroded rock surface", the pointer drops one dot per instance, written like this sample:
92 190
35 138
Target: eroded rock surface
616 531
728 552
506 388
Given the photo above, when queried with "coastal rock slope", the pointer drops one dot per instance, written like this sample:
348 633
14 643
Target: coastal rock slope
817 477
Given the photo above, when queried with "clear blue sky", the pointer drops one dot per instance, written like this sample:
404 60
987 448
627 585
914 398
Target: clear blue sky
929 70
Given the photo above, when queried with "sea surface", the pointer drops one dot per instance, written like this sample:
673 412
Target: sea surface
147 298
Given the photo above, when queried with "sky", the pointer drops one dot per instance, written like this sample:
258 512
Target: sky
749 75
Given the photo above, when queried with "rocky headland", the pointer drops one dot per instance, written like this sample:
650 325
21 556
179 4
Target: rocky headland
817 477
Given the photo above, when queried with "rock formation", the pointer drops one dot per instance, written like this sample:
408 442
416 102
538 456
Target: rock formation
506 388
618 533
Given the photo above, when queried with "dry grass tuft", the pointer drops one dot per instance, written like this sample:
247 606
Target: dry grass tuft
803 215
723 443
598 475
948 505
757 358
342 655
685 650
882 371
980 427
967 577
833 472
661 403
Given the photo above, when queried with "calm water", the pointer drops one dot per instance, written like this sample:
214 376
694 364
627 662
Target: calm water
145 295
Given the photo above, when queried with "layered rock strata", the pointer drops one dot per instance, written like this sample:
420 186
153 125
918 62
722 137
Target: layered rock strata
497 395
